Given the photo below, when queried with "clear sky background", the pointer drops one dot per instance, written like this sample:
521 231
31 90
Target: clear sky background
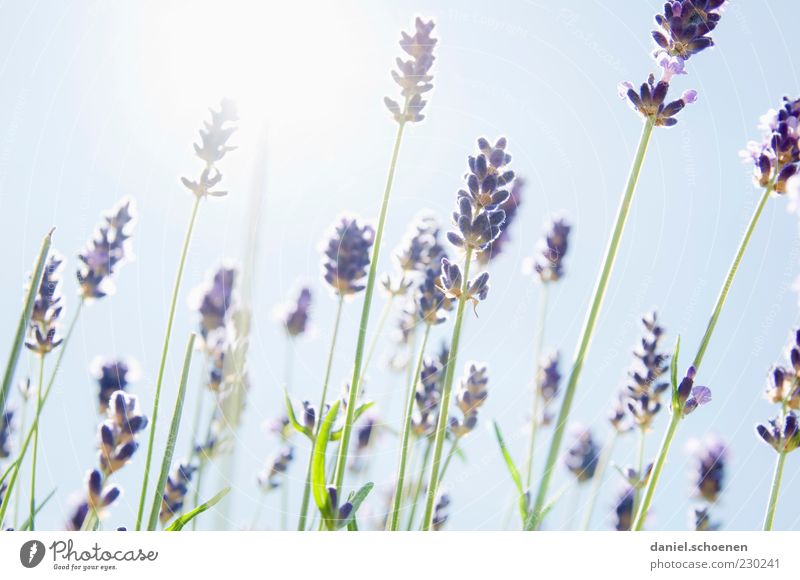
101 100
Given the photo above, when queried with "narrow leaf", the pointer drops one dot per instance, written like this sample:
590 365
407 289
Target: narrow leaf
300 428
184 519
318 482
512 469
27 523
25 315
166 461
673 373
356 499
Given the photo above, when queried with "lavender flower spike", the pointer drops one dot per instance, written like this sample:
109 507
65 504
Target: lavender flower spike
549 262
650 101
175 491
47 309
582 457
295 314
413 75
108 249
711 458
112 375
215 301
776 157
347 256
5 433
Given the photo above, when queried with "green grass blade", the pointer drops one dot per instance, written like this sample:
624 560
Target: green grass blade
318 483
25 315
299 427
512 469
27 523
181 521
173 435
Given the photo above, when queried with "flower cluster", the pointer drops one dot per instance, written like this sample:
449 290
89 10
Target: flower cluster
270 478
470 397
175 491
108 249
431 302
690 397
118 433
5 433
365 438
440 515
212 148
549 261
582 456
427 396
548 378
684 27
47 309
295 314
413 75
112 375
420 248
510 207
650 101
711 456
643 384
452 282
623 509
214 303
776 157
783 388
782 434
347 256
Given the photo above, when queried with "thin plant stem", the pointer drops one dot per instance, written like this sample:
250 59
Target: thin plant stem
420 483
355 386
597 480
24 318
536 395
698 359
23 420
387 310
32 515
661 458
394 517
162 366
637 490
590 324
301 524
769 517
449 457
444 405
34 425
734 267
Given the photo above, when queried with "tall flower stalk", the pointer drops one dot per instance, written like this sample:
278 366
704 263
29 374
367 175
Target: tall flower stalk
211 149
776 162
683 31
413 77
478 220
344 267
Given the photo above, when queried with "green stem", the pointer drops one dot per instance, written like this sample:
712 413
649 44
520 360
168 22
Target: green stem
34 426
536 395
589 324
36 445
387 309
769 518
449 458
444 405
661 459
723 294
164 352
301 524
597 480
24 319
355 386
23 421
394 517
420 482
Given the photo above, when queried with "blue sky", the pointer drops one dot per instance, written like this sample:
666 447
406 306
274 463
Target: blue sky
102 100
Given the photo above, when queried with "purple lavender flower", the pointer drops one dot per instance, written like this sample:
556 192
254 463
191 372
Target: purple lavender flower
650 101
117 435
701 521
295 315
212 148
691 397
420 248
431 302
776 156
510 207
451 281
47 309
98 494
549 261
471 395
783 435
108 249
582 456
711 459
623 509
79 513
685 25
347 256
215 302
112 375
548 378
365 439
413 75
175 491
427 395
644 388
5 433
440 514
272 475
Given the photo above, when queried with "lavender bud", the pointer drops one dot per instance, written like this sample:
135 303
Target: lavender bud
47 309
413 75
582 456
294 315
175 491
347 256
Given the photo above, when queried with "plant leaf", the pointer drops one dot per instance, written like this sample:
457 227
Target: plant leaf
166 461
293 418
27 523
24 317
673 373
356 499
336 435
184 519
512 469
318 482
